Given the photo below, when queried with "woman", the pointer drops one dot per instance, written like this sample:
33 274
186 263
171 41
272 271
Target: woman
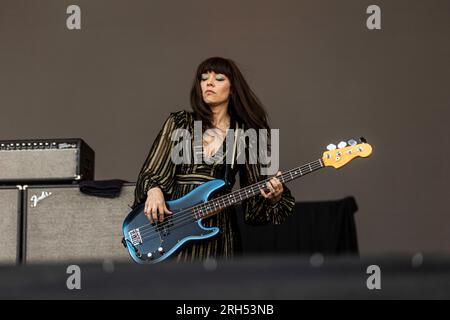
221 99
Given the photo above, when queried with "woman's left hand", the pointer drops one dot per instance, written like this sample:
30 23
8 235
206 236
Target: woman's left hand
276 189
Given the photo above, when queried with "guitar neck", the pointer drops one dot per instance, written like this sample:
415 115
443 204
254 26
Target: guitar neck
214 206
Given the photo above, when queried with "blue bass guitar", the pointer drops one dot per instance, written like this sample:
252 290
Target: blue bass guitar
149 243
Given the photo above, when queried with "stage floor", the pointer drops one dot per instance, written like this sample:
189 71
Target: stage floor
262 277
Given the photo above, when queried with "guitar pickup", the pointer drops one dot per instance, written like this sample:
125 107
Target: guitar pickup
135 237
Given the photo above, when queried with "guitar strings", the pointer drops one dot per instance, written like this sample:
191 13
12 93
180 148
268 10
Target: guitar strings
185 219
154 233
181 215
188 212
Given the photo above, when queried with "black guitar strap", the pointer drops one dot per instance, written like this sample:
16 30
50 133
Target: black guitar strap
229 167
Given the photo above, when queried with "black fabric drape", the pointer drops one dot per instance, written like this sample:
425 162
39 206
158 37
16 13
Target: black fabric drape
326 227
102 188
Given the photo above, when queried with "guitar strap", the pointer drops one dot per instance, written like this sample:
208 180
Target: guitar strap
228 170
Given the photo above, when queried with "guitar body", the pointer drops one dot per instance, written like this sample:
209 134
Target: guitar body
148 243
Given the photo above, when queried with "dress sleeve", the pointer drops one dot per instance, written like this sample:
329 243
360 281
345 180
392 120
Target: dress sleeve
259 210
158 169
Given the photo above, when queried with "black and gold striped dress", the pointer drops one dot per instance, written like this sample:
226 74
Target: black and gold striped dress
176 180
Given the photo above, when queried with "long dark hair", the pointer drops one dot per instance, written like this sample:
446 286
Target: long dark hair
243 105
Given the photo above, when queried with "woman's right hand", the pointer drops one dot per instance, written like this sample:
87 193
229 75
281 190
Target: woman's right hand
155 206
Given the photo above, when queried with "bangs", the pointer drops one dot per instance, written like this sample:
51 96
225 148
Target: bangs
217 65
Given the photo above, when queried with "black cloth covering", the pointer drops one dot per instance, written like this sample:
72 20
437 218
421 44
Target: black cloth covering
102 188
326 227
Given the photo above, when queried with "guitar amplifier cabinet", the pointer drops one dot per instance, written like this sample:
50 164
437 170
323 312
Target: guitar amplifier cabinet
54 160
10 220
62 224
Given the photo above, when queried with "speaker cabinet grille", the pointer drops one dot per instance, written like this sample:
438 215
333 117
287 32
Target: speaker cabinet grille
9 222
63 224
38 164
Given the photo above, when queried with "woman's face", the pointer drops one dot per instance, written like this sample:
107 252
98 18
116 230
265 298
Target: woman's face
215 88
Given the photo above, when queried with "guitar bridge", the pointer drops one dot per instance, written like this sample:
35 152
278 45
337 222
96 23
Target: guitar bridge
135 237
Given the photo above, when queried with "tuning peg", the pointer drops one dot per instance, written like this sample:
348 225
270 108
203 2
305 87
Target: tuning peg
331 147
342 144
352 142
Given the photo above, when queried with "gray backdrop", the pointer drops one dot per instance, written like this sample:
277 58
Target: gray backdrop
321 73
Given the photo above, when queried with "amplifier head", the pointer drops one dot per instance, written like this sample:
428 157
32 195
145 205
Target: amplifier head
26 161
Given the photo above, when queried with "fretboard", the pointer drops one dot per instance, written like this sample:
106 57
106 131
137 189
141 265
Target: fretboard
235 197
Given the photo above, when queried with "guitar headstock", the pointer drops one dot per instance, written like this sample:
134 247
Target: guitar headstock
338 156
